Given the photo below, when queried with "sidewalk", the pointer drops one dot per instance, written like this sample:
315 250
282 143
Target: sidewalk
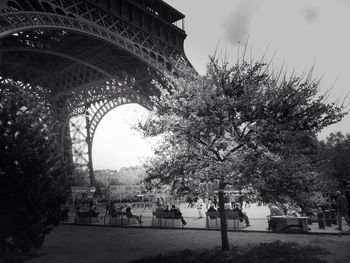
95 244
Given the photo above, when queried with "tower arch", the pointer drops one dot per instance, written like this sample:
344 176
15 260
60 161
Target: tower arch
89 56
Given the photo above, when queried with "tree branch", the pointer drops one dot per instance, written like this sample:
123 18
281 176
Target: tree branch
210 150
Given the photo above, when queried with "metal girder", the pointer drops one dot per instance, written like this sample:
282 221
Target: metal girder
24 21
83 128
94 57
51 52
88 57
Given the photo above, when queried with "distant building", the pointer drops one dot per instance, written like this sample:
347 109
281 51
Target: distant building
126 175
120 192
82 191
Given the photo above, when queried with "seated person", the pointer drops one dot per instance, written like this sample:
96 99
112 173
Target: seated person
241 214
109 207
158 204
130 214
116 210
93 211
228 206
211 208
167 209
178 214
91 204
275 211
160 209
294 211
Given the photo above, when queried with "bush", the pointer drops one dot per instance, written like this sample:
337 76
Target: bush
31 170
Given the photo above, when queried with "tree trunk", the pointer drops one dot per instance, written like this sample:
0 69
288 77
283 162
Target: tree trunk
224 238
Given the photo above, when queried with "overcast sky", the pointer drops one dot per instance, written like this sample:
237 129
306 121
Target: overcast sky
301 33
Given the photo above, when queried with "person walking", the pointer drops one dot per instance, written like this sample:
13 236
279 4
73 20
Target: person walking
206 202
342 210
190 202
199 207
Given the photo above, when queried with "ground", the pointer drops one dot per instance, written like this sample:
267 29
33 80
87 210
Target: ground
97 244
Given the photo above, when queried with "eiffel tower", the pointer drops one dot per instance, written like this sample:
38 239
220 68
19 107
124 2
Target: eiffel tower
88 57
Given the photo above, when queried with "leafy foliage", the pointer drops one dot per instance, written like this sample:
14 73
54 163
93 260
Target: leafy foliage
240 125
335 151
333 163
31 175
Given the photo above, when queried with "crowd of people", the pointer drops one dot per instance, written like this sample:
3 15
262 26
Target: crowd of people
228 207
174 209
200 205
115 209
340 203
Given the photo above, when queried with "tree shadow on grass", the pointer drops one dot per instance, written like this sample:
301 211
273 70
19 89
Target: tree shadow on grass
19 258
275 252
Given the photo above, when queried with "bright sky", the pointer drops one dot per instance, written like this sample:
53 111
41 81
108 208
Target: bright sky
116 144
302 33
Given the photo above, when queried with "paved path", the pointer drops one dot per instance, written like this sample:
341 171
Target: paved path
98 244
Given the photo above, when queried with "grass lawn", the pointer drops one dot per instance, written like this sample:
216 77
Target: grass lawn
76 244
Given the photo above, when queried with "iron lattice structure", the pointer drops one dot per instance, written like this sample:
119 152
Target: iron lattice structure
88 57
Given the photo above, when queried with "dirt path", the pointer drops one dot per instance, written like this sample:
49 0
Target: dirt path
77 244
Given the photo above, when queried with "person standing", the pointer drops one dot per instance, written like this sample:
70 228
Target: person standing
199 207
206 202
342 210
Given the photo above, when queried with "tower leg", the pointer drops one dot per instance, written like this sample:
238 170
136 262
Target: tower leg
81 151
67 154
89 148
